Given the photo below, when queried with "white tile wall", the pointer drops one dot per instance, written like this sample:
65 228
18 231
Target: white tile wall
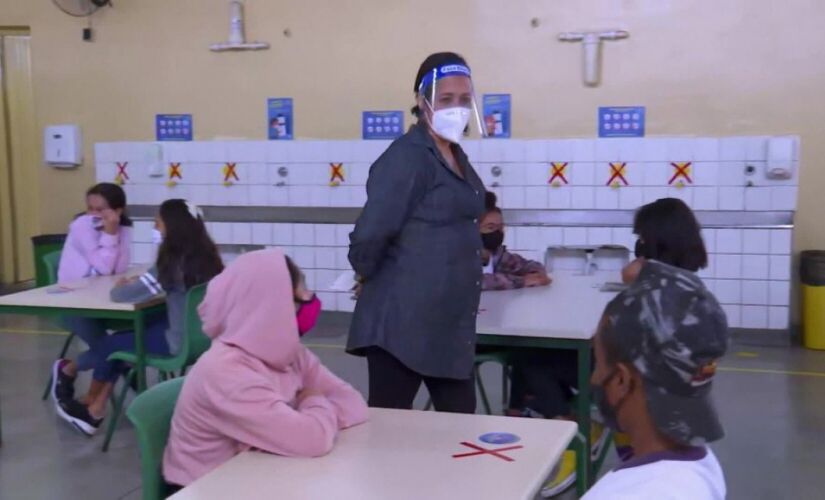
762 258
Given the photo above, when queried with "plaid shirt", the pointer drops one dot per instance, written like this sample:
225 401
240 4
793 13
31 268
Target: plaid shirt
509 270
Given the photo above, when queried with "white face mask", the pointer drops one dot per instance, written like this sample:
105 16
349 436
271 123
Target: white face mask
450 123
157 237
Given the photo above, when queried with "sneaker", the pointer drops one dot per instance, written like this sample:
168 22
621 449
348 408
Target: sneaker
78 415
62 384
562 477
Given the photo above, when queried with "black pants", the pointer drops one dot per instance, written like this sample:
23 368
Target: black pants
542 380
393 385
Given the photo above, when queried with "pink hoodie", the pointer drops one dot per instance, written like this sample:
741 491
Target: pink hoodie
88 249
242 393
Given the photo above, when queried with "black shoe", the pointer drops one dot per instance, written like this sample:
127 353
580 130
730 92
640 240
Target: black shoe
78 415
62 384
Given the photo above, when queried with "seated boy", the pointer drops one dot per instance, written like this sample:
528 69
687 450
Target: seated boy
655 359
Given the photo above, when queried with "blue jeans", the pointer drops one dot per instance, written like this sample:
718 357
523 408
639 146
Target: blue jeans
101 344
154 342
93 332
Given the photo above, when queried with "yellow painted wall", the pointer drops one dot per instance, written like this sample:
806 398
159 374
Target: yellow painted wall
724 68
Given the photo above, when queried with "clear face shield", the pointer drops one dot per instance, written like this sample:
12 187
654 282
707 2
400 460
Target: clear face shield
448 93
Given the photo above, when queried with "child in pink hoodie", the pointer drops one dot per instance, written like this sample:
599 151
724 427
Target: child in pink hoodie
257 387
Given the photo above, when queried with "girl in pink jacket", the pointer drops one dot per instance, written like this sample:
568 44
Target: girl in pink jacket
257 387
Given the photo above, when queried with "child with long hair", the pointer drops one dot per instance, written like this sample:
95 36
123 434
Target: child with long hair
187 257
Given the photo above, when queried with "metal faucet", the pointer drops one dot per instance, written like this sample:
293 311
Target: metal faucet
589 265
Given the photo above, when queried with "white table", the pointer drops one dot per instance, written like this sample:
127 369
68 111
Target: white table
563 315
88 298
400 454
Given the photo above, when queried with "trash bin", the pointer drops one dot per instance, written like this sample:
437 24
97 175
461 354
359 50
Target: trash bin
812 277
41 245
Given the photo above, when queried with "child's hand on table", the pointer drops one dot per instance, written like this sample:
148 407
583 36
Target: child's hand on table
537 279
125 280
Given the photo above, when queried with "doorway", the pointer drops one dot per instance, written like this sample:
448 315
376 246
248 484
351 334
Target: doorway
18 157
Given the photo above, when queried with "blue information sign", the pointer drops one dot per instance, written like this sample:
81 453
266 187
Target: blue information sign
173 127
279 118
622 121
382 124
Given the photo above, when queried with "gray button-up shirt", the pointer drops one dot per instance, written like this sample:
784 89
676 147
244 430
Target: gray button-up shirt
417 246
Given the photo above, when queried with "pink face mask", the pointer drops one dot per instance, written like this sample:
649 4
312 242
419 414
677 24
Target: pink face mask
307 314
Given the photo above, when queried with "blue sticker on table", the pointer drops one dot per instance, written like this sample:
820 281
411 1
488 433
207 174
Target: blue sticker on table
385 125
496 111
279 118
173 127
622 121
499 438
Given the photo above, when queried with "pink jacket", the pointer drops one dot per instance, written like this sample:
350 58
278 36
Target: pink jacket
88 249
242 393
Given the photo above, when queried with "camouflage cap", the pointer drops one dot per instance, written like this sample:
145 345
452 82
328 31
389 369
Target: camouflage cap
672 330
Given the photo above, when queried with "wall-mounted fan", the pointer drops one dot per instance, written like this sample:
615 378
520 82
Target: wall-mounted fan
80 8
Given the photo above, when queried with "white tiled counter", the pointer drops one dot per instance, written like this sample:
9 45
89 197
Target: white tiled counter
750 267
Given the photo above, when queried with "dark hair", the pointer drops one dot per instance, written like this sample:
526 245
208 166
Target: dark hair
671 234
187 253
295 273
430 63
490 203
115 198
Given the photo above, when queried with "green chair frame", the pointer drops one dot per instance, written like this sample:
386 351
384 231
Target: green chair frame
151 416
194 343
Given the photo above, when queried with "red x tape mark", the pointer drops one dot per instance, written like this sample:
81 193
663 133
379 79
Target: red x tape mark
336 171
174 171
681 170
558 172
484 451
121 170
617 173
229 171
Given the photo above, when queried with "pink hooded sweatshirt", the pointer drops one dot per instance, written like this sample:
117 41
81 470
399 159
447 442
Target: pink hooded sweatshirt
90 250
242 393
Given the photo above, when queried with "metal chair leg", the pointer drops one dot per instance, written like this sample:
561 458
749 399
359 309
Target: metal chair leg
62 354
484 401
117 410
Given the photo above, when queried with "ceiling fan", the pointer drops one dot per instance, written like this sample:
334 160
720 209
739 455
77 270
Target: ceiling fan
80 8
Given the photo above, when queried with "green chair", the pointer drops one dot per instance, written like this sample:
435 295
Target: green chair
194 343
51 261
151 415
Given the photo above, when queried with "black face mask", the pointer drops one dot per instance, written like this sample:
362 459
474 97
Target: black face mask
643 250
492 241
608 413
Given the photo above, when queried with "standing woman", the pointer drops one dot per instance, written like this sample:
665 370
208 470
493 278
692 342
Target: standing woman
416 248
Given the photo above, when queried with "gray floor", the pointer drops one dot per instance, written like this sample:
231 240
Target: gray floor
772 400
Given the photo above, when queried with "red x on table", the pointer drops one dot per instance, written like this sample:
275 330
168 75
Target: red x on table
484 451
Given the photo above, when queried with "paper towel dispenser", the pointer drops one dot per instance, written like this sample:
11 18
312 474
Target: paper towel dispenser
62 146
781 156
